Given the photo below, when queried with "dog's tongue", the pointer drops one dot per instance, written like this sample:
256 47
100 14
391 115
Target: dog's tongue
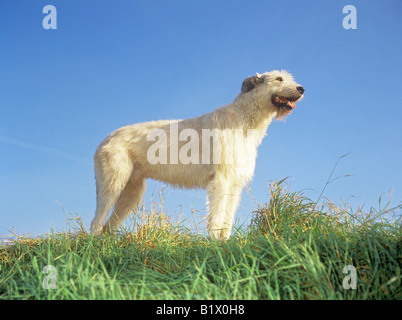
284 100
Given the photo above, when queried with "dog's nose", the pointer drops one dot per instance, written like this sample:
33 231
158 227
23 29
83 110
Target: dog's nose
300 89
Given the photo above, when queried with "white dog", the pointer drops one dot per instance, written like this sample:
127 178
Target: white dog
179 152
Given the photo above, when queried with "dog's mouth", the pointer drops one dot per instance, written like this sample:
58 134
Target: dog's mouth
282 102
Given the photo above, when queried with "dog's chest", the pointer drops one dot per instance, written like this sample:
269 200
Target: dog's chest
239 151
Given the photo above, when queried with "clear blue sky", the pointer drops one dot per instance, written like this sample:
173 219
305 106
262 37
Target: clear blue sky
114 63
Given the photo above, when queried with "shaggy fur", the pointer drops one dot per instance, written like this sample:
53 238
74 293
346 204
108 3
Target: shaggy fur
123 161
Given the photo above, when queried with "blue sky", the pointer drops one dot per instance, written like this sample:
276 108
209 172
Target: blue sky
114 63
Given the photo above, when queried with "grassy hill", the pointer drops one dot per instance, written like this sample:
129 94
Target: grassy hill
293 249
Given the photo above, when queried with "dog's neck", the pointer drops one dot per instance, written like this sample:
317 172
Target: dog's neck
245 115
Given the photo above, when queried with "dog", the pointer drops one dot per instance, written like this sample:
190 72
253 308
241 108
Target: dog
180 153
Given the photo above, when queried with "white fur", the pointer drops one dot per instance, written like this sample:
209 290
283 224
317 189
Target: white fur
122 165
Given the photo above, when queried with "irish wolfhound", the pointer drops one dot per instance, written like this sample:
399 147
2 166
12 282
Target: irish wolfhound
179 152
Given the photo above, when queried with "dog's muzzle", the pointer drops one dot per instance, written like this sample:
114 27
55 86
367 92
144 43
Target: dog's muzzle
288 103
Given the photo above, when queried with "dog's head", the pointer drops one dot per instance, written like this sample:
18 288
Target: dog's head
275 90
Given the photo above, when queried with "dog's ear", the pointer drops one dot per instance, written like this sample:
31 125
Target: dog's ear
251 82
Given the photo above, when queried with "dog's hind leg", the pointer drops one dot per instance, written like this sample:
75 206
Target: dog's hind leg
113 169
128 201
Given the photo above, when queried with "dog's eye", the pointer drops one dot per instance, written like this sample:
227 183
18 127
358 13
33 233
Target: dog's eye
279 79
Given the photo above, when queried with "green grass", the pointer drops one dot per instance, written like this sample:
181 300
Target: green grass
291 250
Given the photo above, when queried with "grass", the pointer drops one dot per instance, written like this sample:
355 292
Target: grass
293 249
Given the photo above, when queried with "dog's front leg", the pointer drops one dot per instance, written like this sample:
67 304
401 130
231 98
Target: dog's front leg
223 198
